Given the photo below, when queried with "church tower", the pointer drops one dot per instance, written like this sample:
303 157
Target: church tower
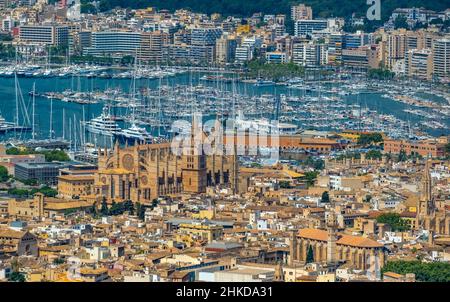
194 161
235 176
279 275
425 208
331 239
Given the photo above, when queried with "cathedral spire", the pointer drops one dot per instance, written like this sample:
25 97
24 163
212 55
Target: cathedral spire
426 182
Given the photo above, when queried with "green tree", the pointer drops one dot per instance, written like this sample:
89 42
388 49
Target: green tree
113 209
447 150
380 74
138 208
17 277
140 211
402 156
370 138
311 177
58 261
4 176
284 184
368 198
325 197
46 190
316 164
401 22
394 221
104 208
13 151
130 208
310 255
94 210
425 272
374 154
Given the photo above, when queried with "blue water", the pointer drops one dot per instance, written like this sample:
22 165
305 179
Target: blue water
74 112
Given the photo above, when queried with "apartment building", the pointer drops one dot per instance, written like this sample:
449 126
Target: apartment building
116 43
309 54
307 27
225 49
419 64
441 58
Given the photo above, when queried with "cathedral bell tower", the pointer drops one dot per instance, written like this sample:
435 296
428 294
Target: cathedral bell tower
331 223
194 160
425 207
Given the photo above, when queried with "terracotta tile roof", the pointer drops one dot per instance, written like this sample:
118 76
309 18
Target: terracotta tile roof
393 275
356 241
64 205
11 233
408 214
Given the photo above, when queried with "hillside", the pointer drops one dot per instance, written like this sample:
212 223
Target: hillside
321 8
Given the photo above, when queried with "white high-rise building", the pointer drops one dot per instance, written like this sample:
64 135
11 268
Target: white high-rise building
309 54
441 58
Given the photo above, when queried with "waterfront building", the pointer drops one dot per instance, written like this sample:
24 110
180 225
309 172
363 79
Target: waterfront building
441 58
301 12
225 49
44 34
419 64
362 58
420 39
205 36
396 45
152 45
193 54
426 148
309 54
116 43
244 52
336 43
79 41
276 57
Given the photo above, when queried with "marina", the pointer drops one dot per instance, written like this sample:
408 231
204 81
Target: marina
99 110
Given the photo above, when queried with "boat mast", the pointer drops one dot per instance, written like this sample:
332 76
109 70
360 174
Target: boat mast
17 100
64 124
33 133
51 119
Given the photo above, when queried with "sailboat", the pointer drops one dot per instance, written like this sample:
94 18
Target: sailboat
135 133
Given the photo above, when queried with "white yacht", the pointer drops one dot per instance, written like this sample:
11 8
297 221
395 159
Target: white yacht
136 133
104 124
6 126
264 125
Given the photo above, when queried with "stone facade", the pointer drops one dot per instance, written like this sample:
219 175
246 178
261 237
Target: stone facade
142 173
